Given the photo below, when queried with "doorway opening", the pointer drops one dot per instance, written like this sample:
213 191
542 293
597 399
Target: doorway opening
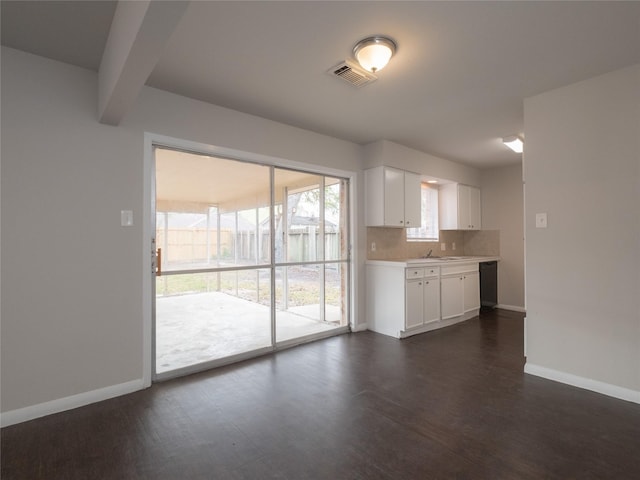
248 258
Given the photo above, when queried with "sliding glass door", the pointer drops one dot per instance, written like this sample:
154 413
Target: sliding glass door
249 257
311 254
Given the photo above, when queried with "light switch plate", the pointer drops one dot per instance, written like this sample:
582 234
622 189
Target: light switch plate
126 218
541 220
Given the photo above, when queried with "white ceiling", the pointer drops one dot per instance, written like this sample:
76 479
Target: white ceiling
455 87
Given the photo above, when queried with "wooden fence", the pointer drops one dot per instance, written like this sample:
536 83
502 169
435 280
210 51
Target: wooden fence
193 245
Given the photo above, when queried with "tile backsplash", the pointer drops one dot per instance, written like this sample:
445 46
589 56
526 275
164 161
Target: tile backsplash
482 242
392 244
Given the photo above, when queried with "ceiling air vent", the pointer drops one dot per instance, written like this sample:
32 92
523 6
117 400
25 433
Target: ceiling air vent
356 76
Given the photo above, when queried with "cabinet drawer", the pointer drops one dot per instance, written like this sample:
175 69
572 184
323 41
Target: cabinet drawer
414 272
455 269
431 271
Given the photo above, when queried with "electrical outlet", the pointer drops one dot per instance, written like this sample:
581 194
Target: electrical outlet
453 246
373 246
443 246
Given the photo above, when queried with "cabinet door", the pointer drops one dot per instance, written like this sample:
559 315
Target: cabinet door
412 200
431 296
464 214
393 197
451 296
471 291
474 208
413 303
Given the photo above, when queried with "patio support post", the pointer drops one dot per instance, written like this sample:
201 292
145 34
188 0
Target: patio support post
321 253
256 232
272 247
208 235
218 240
165 246
285 248
235 246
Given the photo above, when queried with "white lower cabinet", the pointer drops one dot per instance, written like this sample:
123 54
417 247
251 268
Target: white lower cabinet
471 283
431 300
452 296
422 297
405 301
460 290
414 303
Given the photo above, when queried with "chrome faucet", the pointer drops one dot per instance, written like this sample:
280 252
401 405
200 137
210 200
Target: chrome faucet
428 253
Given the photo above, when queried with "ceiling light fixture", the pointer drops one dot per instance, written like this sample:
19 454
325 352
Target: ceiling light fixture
514 142
373 53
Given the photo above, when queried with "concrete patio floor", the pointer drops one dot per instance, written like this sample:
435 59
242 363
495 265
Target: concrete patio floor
201 327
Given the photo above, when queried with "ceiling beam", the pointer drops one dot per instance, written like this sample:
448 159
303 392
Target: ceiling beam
138 34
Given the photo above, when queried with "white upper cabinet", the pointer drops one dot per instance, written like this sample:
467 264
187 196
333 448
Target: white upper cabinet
412 200
392 198
392 191
459 207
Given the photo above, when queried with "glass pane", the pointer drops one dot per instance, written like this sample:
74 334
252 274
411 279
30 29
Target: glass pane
335 219
336 304
208 213
228 236
206 316
298 302
264 236
184 238
243 237
250 285
298 220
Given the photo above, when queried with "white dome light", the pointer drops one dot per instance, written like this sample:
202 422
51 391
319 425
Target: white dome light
374 53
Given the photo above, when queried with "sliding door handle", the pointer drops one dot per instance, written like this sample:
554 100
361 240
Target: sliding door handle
158 262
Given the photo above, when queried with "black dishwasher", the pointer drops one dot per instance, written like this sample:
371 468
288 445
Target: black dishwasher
489 284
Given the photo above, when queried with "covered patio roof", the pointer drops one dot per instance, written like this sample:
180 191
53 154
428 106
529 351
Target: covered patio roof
188 182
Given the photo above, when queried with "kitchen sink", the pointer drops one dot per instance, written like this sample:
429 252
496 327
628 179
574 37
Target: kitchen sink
434 257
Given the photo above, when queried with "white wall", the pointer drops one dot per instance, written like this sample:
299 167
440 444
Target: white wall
72 309
502 209
581 167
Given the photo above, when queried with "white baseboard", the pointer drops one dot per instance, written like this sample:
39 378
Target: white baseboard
582 382
67 403
361 327
513 308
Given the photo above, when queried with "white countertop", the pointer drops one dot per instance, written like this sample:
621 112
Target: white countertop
416 262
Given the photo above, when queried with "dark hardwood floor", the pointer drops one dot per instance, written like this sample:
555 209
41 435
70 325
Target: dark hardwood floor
449 404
